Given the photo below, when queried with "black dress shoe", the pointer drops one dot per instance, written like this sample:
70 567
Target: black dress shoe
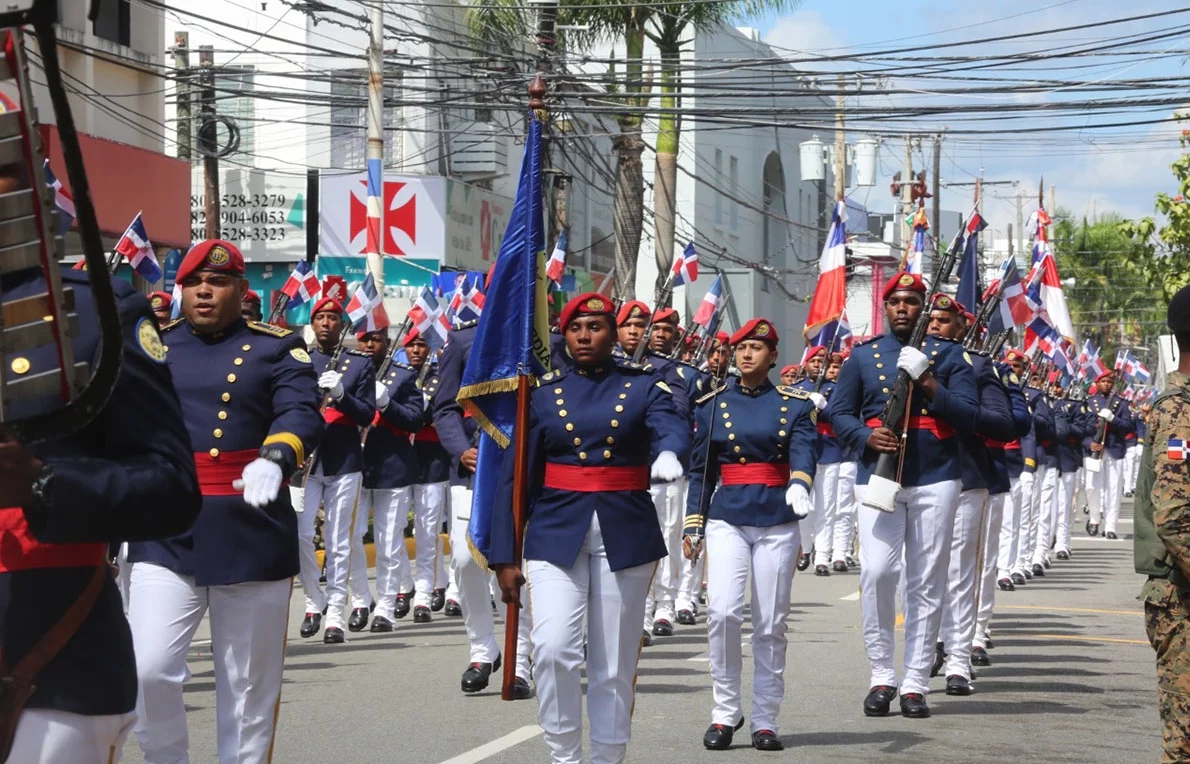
939 659
1092 528
767 740
452 608
663 628
1111 535
851 561
1029 573
879 699
1038 571
310 625
521 689
979 657
702 595
421 614
839 566
402 608
437 599
1046 564
1063 555
646 639
819 570
718 736
957 684
358 619
476 677
333 636
803 561
1018 579
686 617
913 706
1127 494
381 624
1006 585
987 642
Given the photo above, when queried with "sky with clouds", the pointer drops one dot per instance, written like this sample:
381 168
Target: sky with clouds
1094 171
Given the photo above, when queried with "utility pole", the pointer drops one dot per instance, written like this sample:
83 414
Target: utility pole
373 248
1053 201
906 194
1011 250
547 45
209 141
185 119
1020 221
936 207
840 142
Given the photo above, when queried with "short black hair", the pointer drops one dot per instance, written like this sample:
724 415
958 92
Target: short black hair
1183 339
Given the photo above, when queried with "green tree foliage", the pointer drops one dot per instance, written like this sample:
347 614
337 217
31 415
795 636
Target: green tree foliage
1165 245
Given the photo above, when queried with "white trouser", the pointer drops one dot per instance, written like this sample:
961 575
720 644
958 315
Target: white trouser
919 529
958 605
844 533
826 505
47 736
611 605
671 510
1028 542
1015 505
1131 466
123 575
475 592
429 569
1065 511
1104 492
1047 516
389 508
339 497
248 623
309 572
999 506
770 555
691 585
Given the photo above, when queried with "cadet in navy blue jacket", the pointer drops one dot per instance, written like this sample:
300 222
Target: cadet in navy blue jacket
592 539
820 533
433 484
1020 456
1072 425
1045 479
1105 487
944 402
758 443
249 402
390 472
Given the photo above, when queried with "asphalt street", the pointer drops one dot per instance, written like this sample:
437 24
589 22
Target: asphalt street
1072 680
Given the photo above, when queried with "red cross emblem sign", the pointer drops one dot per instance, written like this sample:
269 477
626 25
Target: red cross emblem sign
399 202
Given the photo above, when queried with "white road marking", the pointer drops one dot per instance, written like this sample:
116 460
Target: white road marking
851 597
488 750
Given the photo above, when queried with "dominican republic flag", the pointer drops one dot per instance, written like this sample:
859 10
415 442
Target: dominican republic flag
557 264
1177 450
836 335
63 201
830 294
916 254
711 303
366 308
968 291
1141 374
1089 363
135 246
1047 338
429 319
467 302
302 285
175 307
686 266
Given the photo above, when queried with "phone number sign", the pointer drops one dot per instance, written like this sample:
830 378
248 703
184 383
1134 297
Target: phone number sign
262 212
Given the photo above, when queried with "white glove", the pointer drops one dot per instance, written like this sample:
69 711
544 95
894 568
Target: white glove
914 362
798 500
819 400
1106 415
332 382
667 468
260 482
381 395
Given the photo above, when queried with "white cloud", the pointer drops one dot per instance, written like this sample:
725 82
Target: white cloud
803 32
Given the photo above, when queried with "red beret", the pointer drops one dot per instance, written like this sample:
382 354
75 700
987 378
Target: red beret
324 303
160 300
212 255
586 304
815 350
1055 377
1012 354
793 367
969 317
632 309
252 296
361 335
1104 375
946 302
666 316
839 354
756 329
903 282
722 338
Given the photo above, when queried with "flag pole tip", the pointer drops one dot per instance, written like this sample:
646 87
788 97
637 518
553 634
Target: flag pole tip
537 93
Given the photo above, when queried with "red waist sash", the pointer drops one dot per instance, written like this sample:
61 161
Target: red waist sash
379 421
20 551
825 428
571 477
771 474
215 473
333 416
941 429
427 434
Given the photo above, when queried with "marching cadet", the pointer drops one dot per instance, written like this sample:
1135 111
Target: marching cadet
459 435
789 374
70 692
826 479
979 479
1072 425
1045 481
843 537
251 309
162 304
390 471
760 441
250 408
943 400
1105 486
334 476
593 539
1021 458
1161 545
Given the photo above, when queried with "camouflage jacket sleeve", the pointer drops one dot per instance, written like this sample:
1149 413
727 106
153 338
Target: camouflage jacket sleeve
1170 419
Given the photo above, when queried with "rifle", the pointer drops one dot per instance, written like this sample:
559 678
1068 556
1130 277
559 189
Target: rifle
1094 462
885 481
825 362
332 365
700 534
1032 368
662 297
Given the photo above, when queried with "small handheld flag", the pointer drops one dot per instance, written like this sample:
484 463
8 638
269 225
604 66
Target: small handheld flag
686 266
302 284
711 302
556 267
366 308
63 201
136 247
429 319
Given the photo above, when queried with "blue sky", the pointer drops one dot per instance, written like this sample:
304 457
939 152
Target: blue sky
1094 171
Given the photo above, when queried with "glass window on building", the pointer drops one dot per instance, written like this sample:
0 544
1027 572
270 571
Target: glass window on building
113 23
348 113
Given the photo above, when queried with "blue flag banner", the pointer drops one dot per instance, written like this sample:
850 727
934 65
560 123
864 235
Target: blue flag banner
511 340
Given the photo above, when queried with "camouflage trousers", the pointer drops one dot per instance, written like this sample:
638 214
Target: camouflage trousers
1167 622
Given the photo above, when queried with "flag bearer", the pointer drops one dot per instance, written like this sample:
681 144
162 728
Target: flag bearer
760 441
593 538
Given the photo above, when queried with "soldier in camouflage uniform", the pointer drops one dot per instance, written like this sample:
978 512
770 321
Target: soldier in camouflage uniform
1162 540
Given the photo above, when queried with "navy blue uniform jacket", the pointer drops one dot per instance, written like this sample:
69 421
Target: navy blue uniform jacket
340 452
389 460
456 432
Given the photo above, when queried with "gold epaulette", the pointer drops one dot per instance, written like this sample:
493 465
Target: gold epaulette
273 331
171 325
710 395
793 392
466 324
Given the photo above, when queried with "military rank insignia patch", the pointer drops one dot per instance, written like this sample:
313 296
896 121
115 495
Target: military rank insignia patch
1178 450
300 354
149 340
